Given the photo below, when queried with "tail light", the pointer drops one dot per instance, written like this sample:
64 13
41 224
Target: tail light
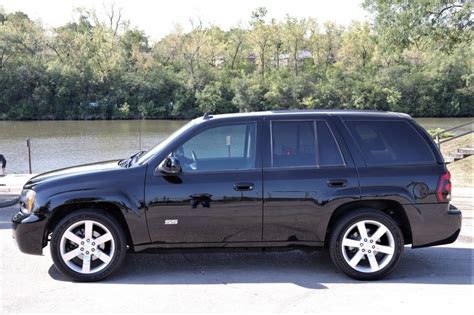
443 191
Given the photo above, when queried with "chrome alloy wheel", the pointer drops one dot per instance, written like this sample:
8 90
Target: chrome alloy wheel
87 247
368 246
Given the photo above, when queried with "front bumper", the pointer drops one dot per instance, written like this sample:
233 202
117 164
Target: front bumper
29 232
436 226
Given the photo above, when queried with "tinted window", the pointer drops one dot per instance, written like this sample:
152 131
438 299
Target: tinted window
329 153
293 143
390 142
219 148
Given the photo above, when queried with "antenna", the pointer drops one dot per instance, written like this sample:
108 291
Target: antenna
207 115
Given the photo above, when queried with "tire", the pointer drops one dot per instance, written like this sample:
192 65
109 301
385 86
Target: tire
353 253
91 257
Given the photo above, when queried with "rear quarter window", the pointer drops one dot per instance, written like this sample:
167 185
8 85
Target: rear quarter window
390 142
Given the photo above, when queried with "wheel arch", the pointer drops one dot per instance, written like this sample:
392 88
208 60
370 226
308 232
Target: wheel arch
108 208
390 207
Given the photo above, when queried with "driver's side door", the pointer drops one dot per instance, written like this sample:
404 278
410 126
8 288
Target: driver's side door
217 196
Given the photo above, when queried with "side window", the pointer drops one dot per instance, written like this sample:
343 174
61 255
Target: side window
390 142
297 143
293 143
328 150
229 147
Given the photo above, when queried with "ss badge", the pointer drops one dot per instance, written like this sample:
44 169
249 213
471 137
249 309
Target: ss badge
174 221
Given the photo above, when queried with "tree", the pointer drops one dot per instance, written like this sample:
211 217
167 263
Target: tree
442 24
357 45
236 42
261 35
295 31
19 37
415 56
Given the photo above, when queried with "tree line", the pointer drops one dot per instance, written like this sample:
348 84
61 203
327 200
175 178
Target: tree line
412 56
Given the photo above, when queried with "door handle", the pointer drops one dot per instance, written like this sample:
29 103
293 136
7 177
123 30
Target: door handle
335 183
243 186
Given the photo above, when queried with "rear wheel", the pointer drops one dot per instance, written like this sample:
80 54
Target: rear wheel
88 245
366 244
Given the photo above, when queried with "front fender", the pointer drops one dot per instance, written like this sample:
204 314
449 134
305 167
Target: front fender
131 207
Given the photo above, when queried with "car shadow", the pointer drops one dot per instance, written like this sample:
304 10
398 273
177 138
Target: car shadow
314 270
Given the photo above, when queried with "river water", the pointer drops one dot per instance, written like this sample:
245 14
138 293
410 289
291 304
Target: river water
58 144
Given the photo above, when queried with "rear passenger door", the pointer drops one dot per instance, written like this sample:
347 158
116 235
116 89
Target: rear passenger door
307 173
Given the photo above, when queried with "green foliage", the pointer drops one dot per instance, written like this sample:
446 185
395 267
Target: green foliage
416 58
215 98
442 134
437 23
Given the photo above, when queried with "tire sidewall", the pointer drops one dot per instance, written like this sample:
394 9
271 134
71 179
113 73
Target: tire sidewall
102 218
345 223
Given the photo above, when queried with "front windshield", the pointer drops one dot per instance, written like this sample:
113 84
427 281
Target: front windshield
153 151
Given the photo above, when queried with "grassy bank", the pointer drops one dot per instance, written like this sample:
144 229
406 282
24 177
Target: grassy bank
462 170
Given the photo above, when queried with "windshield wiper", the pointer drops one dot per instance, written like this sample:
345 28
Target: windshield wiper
138 155
128 162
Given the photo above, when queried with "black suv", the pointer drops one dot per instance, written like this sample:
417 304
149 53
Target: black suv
362 184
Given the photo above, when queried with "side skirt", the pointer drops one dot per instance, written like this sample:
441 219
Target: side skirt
228 247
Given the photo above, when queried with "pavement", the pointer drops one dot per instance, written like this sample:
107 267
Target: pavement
463 198
436 279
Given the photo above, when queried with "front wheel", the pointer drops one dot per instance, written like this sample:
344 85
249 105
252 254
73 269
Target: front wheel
366 244
88 245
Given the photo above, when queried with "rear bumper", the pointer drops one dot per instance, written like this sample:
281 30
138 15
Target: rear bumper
436 225
28 232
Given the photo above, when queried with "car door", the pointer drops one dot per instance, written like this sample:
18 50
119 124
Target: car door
217 196
307 175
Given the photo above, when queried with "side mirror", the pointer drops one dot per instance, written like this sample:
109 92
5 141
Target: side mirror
170 166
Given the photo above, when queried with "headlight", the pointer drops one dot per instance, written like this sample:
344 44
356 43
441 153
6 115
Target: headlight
27 200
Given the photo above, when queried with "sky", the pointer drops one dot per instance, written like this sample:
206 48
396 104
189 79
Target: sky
158 18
